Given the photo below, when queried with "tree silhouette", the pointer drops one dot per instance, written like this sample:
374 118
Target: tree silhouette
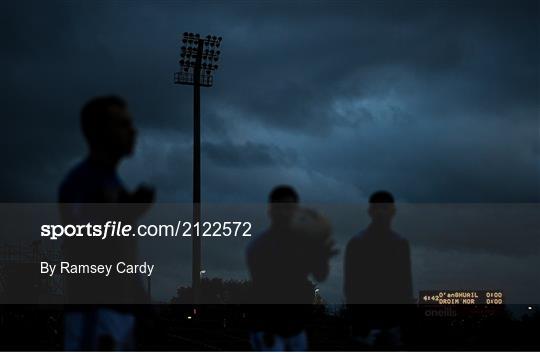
216 291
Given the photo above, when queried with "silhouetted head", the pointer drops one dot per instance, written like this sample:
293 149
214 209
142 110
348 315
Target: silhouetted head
108 127
283 203
381 207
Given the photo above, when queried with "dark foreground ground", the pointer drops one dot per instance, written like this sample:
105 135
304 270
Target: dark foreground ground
226 327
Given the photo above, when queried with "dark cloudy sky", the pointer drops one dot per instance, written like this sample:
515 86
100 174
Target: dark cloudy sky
437 101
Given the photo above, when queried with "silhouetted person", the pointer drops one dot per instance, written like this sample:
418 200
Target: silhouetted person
297 245
93 192
378 280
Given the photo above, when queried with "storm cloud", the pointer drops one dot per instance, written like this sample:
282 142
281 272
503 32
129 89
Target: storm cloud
436 101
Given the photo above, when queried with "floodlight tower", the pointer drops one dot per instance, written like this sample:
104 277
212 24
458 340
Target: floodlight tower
198 61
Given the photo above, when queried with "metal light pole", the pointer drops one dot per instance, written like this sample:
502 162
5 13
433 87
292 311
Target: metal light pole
198 61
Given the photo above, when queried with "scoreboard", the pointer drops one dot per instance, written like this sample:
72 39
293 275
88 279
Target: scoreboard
456 297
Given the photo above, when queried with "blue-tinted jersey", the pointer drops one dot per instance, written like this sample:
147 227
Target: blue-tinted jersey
90 182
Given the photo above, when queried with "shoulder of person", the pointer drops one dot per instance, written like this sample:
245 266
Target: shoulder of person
74 181
356 239
400 239
256 242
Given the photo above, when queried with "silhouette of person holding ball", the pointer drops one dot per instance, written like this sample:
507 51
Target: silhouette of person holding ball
296 247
